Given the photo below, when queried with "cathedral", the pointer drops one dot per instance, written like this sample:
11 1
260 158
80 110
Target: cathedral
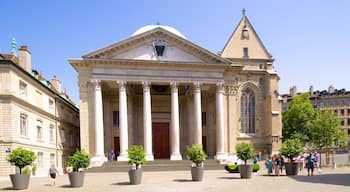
158 89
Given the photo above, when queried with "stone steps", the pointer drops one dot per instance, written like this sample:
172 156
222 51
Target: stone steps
157 165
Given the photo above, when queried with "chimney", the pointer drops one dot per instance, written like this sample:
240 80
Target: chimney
311 90
56 84
25 58
293 91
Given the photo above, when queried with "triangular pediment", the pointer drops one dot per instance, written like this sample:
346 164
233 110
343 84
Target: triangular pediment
142 47
245 43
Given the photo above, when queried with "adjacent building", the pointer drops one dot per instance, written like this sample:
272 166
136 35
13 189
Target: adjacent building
337 100
158 89
34 114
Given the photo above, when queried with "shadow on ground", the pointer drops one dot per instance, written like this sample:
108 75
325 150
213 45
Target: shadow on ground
230 178
333 179
122 183
183 180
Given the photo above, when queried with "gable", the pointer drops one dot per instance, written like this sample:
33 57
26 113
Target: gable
243 37
141 47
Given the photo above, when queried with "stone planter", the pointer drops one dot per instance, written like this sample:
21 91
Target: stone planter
135 176
20 181
197 173
292 168
245 171
76 179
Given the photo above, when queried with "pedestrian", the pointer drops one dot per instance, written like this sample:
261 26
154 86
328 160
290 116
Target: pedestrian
310 164
277 165
282 163
53 172
317 162
268 164
111 155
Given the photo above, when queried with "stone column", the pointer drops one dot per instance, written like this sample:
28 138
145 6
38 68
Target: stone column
175 130
123 122
197 114
99 157
147 121
220 154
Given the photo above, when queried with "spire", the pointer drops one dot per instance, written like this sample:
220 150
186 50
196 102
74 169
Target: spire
14 47
243 12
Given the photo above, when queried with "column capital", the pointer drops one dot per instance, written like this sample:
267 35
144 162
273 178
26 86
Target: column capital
220 87
197 86
146 85
173 86
96 83
121 84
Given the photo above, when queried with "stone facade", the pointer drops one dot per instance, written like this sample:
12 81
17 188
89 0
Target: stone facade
34 114
160 90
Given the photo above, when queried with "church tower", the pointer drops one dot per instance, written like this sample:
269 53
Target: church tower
256 106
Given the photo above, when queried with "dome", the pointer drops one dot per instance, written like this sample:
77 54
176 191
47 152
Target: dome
151 27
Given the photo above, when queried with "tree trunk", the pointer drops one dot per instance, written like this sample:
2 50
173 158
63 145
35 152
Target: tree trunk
327 156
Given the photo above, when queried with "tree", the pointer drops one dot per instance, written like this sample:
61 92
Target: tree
325 132
136 155
245 151
291 148
297 118
21 157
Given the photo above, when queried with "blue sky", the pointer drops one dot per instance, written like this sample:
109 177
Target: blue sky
309 39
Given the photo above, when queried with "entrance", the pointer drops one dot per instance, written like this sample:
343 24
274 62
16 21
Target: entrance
116 146
160 140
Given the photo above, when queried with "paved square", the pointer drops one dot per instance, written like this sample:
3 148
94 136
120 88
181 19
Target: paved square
214 180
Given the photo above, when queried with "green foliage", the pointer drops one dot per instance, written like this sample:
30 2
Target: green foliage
136 155
196 154
34 168
21 157
297 118
291 148
26 170
245 151
80 159
256 167
326 131
232 168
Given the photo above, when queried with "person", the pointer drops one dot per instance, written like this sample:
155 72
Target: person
53 172
111 155
317 162
282 163
268 164
310 164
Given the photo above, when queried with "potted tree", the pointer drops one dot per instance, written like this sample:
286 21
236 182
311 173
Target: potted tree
136 155
196 154
245 151
291 148
20 158
78 161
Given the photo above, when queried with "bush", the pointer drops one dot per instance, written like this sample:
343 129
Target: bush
291 148
21 157
136 155
245 151
232 168
79 159
256 167
26 170
196 154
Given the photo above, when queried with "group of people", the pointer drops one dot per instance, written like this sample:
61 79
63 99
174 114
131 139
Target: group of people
307 160
275 164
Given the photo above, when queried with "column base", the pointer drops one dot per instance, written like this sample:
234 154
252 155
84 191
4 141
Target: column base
149 157
221 156
123 157
97 161
175 157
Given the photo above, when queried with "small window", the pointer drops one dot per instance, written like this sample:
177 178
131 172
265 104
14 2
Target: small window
348 121
116 118
342 111
349 132
39 128
52 159
348 111
245 52
40 159
52 133
342 122
50 104
335 112
63 136
23 125
22 89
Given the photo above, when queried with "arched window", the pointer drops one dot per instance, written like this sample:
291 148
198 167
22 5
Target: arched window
247 111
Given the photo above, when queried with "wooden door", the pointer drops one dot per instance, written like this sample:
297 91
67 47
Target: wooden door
116 146
160 140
